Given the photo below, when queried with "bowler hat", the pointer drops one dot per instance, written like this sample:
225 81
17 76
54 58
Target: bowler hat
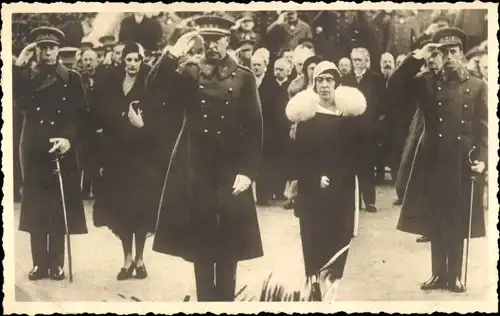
450 36
84 45
45 34
107 40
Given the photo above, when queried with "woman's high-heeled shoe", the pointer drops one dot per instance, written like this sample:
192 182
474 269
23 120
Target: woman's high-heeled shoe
126 274
316 292
141 272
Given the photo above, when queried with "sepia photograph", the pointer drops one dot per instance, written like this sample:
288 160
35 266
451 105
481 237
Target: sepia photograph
322 157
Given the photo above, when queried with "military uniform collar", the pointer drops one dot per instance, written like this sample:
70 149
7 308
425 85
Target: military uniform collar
60 70
460 74
224 68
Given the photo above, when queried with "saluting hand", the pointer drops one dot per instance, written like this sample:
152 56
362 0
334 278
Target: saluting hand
241 183
185 43
426 51
26 55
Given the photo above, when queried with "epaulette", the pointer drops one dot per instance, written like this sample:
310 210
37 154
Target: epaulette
74 72
246 69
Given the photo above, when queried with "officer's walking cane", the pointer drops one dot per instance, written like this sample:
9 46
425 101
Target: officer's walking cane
68 240
473 180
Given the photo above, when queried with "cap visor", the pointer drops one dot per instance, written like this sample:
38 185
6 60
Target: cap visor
48 42
449 44
214 32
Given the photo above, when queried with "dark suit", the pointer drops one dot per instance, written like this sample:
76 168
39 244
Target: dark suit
339 35
282 37
272 176
219 137
53 104
74 34
372 86
148 33
438 194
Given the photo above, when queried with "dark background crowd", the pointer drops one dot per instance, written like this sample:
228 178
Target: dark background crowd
263 41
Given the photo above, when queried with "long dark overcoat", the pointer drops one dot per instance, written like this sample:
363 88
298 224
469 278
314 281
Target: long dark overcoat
408 155
438 194
53 106
220 137
131 181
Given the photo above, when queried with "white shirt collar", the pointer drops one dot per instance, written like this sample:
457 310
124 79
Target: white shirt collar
259 79
281 82
360 74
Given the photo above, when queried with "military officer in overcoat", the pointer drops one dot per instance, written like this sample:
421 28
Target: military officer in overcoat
208 214
53 102
438 196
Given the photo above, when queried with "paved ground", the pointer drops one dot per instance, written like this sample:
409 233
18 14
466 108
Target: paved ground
383 264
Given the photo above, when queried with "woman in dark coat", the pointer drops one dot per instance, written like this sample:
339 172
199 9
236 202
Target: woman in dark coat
127 203
326 153
297 85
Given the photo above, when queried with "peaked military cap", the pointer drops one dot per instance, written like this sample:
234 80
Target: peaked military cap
450 36
213 25
45 34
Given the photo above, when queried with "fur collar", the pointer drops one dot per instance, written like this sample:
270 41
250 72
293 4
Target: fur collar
303 106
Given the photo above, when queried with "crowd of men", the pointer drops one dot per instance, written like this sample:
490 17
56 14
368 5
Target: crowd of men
366 45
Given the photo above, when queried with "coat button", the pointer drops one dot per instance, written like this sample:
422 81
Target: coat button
206 131
467 90
38 109
222 116
440 103
439 88
465 105
233 74
440 119
123 113
230 89
51 123
41 122
64 98
440 135
65 85
58 111
203 101
202 86
462 121
218 132
205 116
227 102
459 138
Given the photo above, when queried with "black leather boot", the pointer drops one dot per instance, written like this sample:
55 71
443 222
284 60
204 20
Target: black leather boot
38 273
434 283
